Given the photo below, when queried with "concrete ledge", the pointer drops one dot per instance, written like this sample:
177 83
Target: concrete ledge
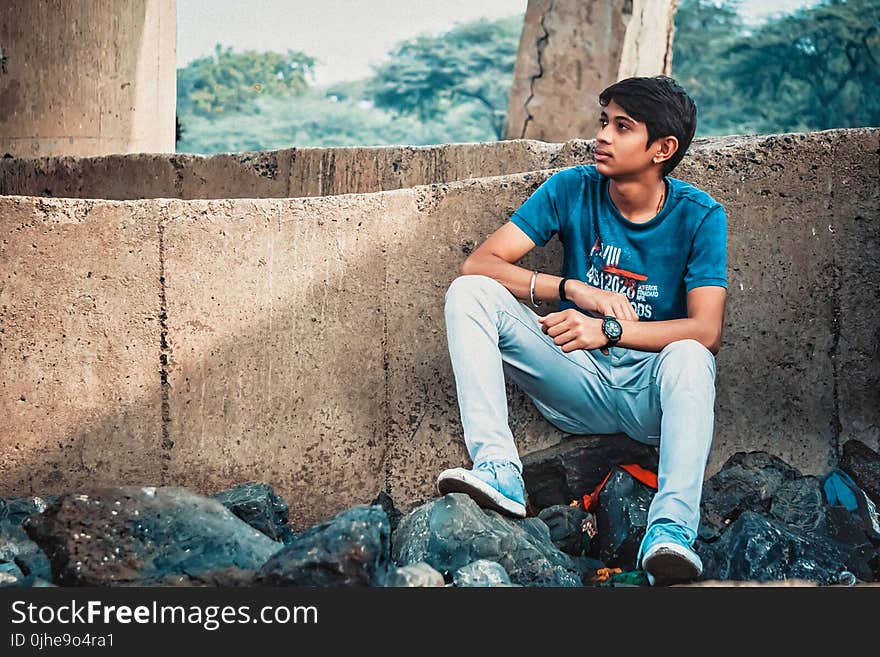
286 173
291 173
301 341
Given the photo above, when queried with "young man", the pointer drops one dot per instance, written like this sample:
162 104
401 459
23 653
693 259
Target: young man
631 349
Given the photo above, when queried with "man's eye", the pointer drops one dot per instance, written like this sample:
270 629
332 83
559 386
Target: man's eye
622 126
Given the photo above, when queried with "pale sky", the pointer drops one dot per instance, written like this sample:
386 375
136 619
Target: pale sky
346 36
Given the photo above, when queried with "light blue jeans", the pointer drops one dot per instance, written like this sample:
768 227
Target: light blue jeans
664 398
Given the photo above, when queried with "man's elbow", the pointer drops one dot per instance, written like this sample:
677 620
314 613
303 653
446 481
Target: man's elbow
713 344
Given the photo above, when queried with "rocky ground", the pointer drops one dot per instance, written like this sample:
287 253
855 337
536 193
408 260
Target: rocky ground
762 522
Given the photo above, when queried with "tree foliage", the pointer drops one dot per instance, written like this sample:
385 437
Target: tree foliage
704 31
814 69
810 70
228 82
472 62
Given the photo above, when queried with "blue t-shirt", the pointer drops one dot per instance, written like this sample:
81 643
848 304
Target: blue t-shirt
655 264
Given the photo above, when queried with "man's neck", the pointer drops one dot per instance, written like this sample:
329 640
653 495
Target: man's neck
637 198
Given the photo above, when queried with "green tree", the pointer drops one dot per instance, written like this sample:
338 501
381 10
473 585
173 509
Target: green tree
229 82
473 62
814 69
704 31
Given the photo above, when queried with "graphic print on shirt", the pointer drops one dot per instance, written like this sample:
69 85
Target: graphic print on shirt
606 274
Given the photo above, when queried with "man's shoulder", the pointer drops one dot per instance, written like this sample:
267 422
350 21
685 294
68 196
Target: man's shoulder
697 200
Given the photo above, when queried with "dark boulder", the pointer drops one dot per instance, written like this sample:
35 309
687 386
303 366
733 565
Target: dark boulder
588 568
384 500
17 547
800 503
862 464
746 482
16 509
259 506
622 519
452 531
761 549
143 535
566 525
573 468
353 548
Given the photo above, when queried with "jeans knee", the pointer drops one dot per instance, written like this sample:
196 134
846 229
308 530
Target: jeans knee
470 286
688 355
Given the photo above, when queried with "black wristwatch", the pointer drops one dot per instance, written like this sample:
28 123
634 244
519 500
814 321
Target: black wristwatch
612 330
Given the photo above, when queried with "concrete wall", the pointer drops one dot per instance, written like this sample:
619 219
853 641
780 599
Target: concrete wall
274 174
88 77
301 341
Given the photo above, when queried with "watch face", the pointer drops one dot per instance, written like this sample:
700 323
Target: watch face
612 328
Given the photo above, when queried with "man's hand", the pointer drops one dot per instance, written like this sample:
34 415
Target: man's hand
603 302
571 330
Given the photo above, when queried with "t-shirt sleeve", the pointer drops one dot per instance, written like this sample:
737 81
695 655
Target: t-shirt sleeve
707 263
542 214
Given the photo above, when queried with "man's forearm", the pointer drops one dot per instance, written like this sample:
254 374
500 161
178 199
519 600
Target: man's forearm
654 336
513 277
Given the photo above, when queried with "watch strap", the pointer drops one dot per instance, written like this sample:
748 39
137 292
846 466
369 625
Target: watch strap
562 283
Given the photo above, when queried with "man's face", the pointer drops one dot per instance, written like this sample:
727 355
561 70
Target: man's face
623 139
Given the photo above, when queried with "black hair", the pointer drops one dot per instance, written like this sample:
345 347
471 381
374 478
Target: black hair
661 104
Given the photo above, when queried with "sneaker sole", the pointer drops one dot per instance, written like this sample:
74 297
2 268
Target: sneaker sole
667 566
460 481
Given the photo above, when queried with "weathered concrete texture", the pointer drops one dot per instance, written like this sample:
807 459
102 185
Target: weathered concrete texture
79 347
276 322
286 173
570 50
79 79
856 296
797 204
303 339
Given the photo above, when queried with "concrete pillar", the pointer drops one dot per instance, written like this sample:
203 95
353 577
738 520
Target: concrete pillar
572 49
87 77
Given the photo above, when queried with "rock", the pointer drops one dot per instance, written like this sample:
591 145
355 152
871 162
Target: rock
222 577
415 575
259 506
622 518
452 531
566 528
350 549
800 503
746 482
16 509
847 528
142 535
758 548
481 573
11 575
574 467
587 567
862 464
384 500
17 547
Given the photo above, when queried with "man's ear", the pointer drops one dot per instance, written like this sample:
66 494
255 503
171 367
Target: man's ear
664 148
